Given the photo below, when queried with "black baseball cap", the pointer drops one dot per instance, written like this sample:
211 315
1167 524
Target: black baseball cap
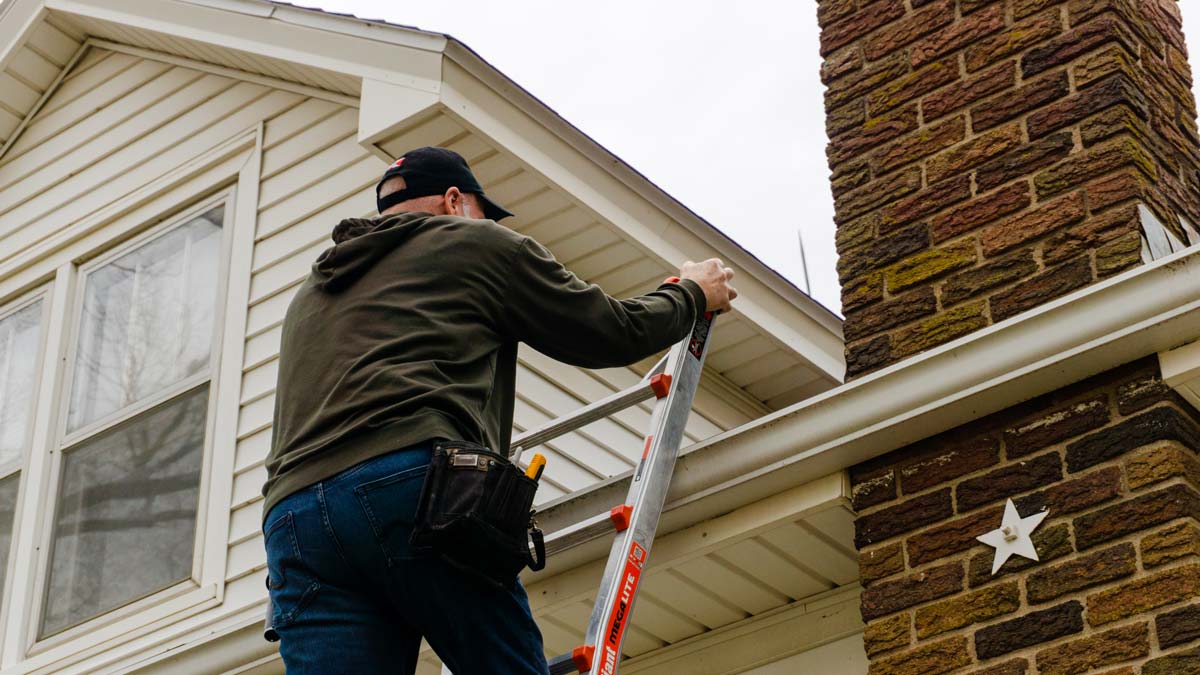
432 171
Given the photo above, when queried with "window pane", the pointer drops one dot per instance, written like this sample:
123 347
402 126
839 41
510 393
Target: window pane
8 510
147 320
126 515
20 338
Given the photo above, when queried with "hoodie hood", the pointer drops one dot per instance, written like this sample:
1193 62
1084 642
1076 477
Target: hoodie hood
361 242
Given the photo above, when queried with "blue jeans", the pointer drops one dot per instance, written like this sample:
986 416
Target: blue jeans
351 595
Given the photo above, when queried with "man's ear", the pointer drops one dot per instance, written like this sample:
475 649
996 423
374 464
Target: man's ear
453 201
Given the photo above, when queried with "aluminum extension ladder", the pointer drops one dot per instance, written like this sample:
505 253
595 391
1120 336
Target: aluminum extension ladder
673 382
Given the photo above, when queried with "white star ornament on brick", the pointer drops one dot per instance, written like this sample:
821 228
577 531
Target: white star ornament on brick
1014 536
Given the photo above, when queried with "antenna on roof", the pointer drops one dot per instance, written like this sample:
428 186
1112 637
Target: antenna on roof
803 261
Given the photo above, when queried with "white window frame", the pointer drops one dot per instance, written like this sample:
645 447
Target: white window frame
43 294
63 440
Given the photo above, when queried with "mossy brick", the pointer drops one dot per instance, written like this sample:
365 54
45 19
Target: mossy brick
1013 667
838 65
873 132
1143 594
850 176
1116 90
1054 581
959 34
829 11
1121 120
1136 514
882 251
921 204
1170 544
895 595
1050 542
963 610
1094 67
851 27
950 537
1095 651
1031 629
1041 288
947 459
1186 662
845 117
855 233
980 211
913 85
906 30
967 91
862 291
1074 495
1134 18
880 563
1093 232
919 144
1008 105
1162 423
1022 35
1119 255
1076 42
975 152
1056 425
1114 189
868 355
1008 480
1024 8
1034 224
999 272
940 329
871 196
928 265
888 634
1178 627
858 84
1160 462
889 314
1094 162
934 658
903 517
1024 160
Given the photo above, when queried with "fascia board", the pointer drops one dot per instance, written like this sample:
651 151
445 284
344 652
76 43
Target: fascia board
486 108
304 43
18 18
467 59
1135 314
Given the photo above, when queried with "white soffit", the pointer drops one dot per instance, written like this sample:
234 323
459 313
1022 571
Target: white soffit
1181 370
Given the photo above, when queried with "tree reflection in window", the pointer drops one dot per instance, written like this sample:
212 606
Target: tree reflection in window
20 342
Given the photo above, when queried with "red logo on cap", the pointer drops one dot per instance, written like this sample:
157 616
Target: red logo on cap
398 162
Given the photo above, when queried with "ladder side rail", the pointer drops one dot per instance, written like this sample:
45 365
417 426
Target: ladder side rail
648 490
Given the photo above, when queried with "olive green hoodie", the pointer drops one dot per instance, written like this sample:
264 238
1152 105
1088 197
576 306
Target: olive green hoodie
407 331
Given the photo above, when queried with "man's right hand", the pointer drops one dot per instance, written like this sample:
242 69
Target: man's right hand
713 277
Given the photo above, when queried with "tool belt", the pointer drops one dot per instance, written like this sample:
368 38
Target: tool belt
476 510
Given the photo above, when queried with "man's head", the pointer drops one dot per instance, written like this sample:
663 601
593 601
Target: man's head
437 181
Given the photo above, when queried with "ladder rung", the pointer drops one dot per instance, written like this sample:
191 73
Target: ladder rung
579 533
562 665
584 416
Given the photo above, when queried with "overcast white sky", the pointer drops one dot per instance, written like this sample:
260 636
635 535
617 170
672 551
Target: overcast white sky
718 102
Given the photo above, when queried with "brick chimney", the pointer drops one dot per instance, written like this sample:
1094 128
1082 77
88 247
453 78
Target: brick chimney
991 155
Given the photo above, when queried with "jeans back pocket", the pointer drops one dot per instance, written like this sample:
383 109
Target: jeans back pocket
289 581
390 506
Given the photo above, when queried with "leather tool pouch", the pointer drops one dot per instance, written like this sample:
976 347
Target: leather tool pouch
476 510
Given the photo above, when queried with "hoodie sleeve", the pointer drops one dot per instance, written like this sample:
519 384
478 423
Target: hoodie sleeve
567 319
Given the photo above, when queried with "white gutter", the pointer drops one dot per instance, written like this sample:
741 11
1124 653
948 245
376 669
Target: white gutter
1138 313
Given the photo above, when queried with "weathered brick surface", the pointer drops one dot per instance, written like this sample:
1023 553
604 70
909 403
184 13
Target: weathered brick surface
988 207
1096 651
999 272
1032 224
1008 481
1013 667
965 92
1006 106
1041 288
1031 629
947 458
1180 663
965 610
1141 595
1170 544
1051 543
1134 515
880 563
951 537
1157 424
1162 461
1096 568
930 659
1074 495
1056 425
888 597
903 517
888 634
1178 627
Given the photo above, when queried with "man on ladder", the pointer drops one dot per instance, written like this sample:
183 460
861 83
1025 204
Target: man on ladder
405 333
